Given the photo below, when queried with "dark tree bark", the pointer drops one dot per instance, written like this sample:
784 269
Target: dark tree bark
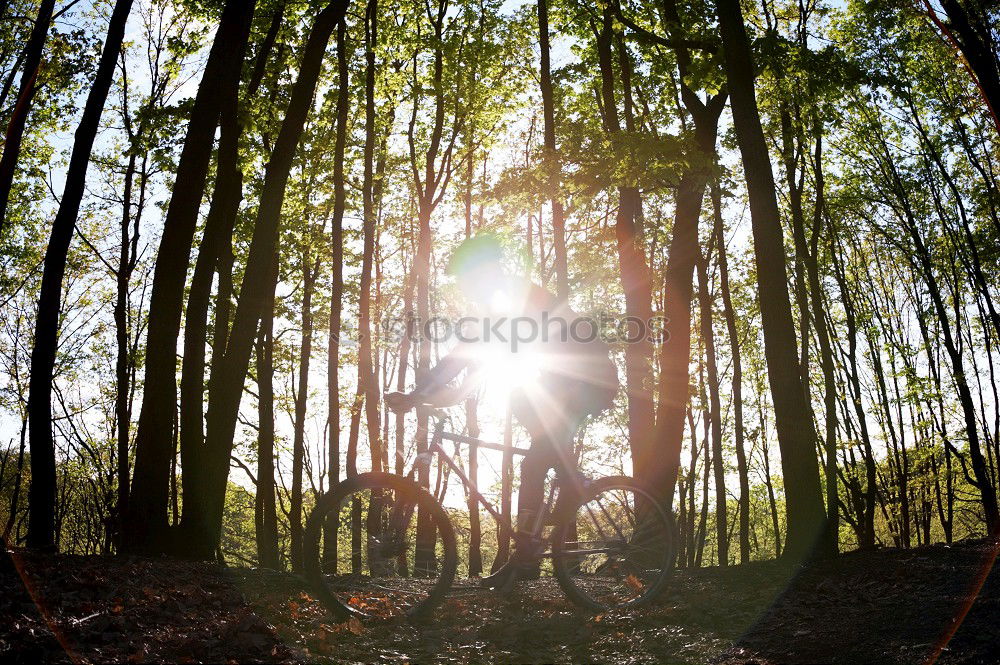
805 513
310 269
368 382
737 391
552 157
675 352
660 464
367 375
969 28
265 514
146 527
818 308
19 117
635 276
715 411
215 255
472 403
336 290
430 190
226 389
42 492
123 383
218 231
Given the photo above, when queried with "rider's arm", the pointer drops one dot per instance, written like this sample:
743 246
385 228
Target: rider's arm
448 395
433 387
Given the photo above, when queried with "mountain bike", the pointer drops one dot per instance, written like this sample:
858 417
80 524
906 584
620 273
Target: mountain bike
610 542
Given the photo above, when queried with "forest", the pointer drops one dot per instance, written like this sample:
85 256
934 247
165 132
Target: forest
226 227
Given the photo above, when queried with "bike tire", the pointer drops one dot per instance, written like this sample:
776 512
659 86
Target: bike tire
332 500
563 564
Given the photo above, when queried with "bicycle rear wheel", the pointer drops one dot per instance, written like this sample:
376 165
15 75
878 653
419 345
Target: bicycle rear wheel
624 549
382 569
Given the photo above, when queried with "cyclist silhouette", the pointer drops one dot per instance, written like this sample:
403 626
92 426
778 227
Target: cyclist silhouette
565 366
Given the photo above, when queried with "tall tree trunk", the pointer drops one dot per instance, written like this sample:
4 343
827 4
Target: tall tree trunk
367 372
969 29
42 493
216 240
146 528
225 258
737 391
301 403
715 412
430 190
635 277
265 514
552 157
215 254
123 374
368 381
19 117
818 308
472 414
794 177
336 291
660 469
796 437
226 389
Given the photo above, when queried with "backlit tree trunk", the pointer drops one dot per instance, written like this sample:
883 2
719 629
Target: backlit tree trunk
146 527
42 492
805 514
226 388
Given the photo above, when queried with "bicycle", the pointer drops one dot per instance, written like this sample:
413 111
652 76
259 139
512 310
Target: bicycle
621 557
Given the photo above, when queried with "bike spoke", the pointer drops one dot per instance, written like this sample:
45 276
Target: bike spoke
385 569
621 554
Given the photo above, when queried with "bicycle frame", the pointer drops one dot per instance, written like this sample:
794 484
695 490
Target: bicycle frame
505 523
435 448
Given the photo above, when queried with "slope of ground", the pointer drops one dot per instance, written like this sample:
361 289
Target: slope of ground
887 606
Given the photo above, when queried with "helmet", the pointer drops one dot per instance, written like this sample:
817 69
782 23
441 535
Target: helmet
481 249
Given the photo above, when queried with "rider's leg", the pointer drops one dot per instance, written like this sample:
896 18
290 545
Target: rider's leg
551 449
552 421
535 466
523 563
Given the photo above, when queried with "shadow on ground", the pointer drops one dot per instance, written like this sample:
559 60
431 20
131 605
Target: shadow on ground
887 606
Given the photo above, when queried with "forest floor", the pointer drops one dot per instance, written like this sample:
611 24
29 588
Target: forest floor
885 606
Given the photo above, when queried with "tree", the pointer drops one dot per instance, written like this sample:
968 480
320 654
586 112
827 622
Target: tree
43 355
146 526
337 288
796 437
971 27
551 155
19 118
225 390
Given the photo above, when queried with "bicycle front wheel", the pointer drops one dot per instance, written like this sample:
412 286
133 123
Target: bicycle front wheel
388 548
623 550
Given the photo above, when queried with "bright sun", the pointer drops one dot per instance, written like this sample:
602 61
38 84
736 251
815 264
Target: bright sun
506 371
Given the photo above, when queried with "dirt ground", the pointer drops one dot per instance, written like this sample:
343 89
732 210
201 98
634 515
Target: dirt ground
886 606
